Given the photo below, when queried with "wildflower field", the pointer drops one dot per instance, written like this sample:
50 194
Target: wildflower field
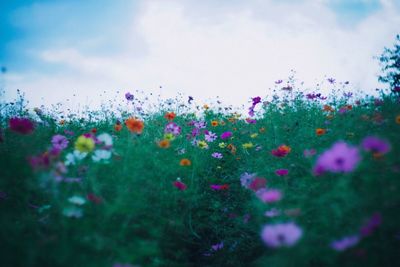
296 180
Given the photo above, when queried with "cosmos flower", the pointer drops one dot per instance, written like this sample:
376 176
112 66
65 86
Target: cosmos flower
226 135
59 141
185 162
73 212
217 246
320 131
21 125
105 139
128 96
101 155
345 243
247 145
170 116
165 143
257 183
281 151
84 144
199 124
74 157
180 185
371 225
246 179
375 145
134 125
202 144
341 157
214 123
77 200
190 99
172 128
282 172
281 235
93 198
218 187
217 155
210 136
118 126
269 195
272 213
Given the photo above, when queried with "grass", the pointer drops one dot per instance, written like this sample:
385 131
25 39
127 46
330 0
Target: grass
138 217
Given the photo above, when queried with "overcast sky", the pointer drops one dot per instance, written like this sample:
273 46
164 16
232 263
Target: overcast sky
235 49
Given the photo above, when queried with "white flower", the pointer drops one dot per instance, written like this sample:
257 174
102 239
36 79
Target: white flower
77 200
101 154
73 212
106 139
72 158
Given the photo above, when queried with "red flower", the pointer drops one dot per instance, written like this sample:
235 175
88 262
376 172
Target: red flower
21 125
257 184
93 198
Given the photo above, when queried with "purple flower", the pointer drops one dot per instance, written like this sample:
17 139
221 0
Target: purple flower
190 99
282 172
217 155
281 235
341 157
371 225
269 195
348 94
59 141
173 128
331 80
278 82
217 246
129 96
226 135
375 145
246 179
21 125
345 243
256 100
200 124
272 213
210 136
251 121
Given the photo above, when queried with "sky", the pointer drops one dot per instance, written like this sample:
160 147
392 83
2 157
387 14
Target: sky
94 50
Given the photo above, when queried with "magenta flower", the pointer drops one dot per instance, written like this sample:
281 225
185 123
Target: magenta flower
341 157
21 125
345 243
180 185
219 187
281 235
282 172
375 145
269 195
59 141
251 121
226 135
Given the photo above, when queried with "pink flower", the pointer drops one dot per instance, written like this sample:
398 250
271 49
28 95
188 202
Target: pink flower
282 172
180 185
281 235
269 195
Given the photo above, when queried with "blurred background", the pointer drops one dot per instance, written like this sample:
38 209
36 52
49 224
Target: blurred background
85 52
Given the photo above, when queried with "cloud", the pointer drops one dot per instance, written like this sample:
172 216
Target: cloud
211 48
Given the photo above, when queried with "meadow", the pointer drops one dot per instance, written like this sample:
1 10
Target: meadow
295 180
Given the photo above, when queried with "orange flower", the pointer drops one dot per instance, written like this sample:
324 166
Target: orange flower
62 122
232 148
206 107
398 119
165 143
328 108
232 119
320 131
214 123
117 126
170 116
185 162
262 130
134 125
